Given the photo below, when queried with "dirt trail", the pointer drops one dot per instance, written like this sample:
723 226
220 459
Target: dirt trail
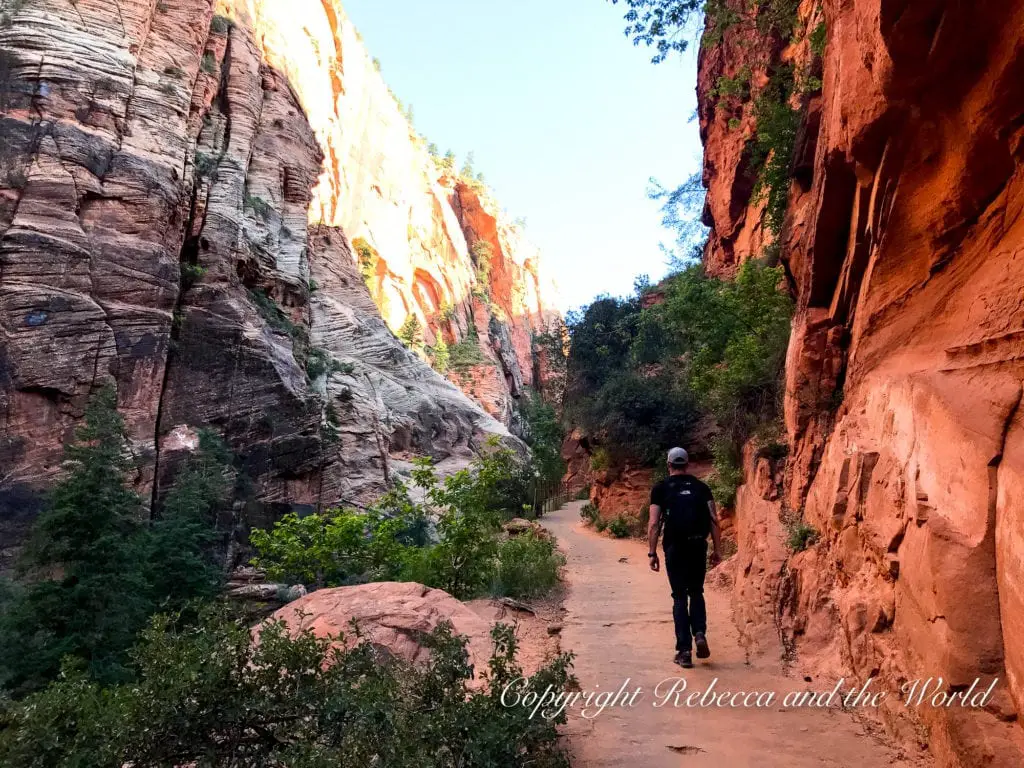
619 622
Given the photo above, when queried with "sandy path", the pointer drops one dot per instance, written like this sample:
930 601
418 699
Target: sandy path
619 624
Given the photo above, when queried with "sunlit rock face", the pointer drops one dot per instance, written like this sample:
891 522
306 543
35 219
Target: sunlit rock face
181 185
424 228
902 243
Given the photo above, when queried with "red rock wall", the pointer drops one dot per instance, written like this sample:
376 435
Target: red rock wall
160 167
902 243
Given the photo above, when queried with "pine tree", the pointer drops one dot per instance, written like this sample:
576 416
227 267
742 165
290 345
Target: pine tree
94 599
182 564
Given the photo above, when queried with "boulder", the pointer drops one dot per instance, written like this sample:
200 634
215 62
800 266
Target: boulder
518 526
390 615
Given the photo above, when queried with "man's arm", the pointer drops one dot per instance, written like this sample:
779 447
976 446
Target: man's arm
716 534
653 532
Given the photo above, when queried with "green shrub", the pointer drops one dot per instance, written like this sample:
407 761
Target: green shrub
190 274
206 165
482 254
600 524
589 513
467 354
719 18
221 25
320 362
527 566
818 39
388 540
313 285
208 63
258 206
619 527
440 358
272 313
728 474
600 459
801 536
216 694
583 493
775 138
732 91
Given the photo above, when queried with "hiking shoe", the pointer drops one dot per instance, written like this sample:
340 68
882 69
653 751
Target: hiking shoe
684 659
702 645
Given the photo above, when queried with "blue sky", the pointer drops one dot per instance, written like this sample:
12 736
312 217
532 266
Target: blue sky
565 117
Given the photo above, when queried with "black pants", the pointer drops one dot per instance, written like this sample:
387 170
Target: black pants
686 563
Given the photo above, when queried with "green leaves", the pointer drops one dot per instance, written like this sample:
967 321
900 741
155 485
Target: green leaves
213 694
392 541
660 24
98 568
640 379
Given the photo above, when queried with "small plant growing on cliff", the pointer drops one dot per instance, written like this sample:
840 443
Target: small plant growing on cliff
482 254
600 459
259 206
318 363
733 89
818 39
772 152
801 536
208 63
368 260
221 25
272 313
411 332
440 358
207 164
466 354
191 274
447 163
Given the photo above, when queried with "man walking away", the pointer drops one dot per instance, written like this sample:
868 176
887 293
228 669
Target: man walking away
685 508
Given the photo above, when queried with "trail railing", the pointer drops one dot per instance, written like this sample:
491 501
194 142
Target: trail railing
552 496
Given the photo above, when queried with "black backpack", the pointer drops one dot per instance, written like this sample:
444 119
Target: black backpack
685 510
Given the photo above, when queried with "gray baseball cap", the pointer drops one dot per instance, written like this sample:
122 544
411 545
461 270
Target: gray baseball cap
678 457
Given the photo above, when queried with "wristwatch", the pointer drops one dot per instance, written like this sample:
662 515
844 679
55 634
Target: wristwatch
652 554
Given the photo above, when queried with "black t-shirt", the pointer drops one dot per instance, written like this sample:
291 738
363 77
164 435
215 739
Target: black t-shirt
683 500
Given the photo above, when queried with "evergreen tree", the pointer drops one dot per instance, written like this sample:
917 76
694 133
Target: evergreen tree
182 563
93 599
95 569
